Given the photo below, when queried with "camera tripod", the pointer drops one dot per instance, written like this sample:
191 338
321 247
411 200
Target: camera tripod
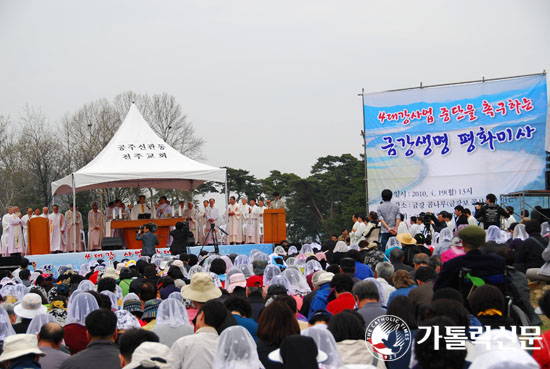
212 232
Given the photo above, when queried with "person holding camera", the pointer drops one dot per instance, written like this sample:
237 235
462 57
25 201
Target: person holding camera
149 239
489 213
181 238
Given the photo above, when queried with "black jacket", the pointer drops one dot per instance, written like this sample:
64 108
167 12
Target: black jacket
180 239
530 252
481 265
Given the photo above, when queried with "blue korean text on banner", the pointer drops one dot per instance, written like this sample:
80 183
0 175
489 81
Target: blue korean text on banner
439 147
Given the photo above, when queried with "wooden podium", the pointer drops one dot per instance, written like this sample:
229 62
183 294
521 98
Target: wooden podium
274 225
39 236
131 226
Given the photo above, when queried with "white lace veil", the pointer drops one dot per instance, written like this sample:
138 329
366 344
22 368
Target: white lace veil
172 312
38 321
236 350
79 308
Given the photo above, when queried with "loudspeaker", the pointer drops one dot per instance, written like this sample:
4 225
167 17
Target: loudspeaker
111 243
10 262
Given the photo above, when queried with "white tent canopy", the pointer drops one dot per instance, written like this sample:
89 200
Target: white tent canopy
137 157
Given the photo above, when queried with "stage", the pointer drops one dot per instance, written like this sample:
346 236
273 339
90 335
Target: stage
78 258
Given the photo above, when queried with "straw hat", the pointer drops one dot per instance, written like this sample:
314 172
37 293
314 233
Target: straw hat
30 306
201 288
20 345
406 239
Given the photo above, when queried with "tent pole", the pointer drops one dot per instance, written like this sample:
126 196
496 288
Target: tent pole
154 212
74 214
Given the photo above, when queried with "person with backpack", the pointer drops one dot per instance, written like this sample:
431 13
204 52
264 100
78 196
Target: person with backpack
490 213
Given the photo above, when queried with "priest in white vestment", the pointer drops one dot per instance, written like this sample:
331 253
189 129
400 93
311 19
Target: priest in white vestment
57 230
211 217
357 231
262 207
69 229
164 210
140 208
180 209
191 215
45 213
95 223
253 225
36 213
234 227
25 223
11 225
245 215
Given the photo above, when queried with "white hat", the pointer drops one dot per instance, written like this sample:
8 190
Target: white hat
20 345
325 277
30 306
110 273
149 355
276 356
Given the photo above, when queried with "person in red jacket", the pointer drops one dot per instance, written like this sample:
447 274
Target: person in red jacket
342 284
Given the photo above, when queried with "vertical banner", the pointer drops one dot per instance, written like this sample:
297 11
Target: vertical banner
439 147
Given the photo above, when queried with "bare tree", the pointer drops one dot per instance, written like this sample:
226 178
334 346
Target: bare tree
40 151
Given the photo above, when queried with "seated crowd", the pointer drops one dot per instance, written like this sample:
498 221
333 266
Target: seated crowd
306 306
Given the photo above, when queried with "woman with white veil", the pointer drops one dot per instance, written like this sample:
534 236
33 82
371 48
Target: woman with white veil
75 330
270 272
240 259
325 342
493 234
444 241
38 321
172 322
195 269
297 281
236 350
6 328
86 285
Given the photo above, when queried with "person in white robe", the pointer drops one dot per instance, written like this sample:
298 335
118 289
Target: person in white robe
358 230
70 225
211 216
12 232
57 230
95 225
180 209
25 223
403 227
203 222
245 215
118 210
140 208
191 215
164 210
234 227
261 208
36 213
45 212
253 225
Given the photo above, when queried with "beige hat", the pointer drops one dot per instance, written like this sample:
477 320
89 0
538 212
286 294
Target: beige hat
110 273
201 288
30 306
406 239
325 277
20 345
